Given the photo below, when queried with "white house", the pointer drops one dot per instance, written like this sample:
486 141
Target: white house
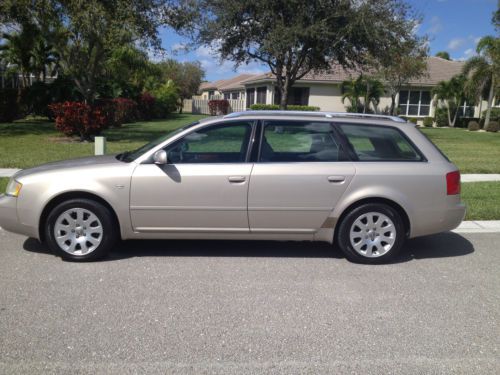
323 90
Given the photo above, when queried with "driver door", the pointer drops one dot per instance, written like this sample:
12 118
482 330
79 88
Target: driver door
204 186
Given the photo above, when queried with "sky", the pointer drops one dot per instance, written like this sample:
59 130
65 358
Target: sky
451 25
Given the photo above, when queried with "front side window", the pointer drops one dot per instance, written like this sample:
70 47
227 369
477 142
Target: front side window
414 103
226 143
298 142
379 143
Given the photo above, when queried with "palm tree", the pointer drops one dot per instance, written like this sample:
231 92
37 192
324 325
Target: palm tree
369 89
17 51
483 70
374 89
452 94
44 57
353 90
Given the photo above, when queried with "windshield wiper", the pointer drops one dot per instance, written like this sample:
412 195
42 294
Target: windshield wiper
123 155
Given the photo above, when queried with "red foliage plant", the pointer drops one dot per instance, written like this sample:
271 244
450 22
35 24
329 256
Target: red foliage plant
145 105
218 107
117 111
77 118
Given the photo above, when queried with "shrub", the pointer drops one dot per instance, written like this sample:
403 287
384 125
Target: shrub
441 117
145 105
77 118
410 119
166 101
493 126
218 107
264 107
117 111
494 115
38 98
276 107
473 126
428 121
309 108
9 106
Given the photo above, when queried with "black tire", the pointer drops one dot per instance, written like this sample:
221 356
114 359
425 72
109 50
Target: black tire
106 218
344 229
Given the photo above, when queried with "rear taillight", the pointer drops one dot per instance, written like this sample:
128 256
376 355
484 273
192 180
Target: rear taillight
453 183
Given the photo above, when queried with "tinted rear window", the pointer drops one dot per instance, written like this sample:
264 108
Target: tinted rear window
379 143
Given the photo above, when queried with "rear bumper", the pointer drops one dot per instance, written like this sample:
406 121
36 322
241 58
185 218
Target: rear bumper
439 220
9 219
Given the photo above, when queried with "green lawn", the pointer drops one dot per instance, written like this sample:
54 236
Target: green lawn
472 152
27 143
482 200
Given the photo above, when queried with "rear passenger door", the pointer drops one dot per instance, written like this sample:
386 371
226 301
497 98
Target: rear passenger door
300 174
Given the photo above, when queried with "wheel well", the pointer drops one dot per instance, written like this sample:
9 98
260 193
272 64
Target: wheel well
397 207
67 196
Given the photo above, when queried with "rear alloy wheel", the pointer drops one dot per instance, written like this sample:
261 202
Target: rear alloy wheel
80 230
371 233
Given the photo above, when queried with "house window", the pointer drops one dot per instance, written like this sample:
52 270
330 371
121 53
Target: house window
250 97
297 96
235 95
261 95
414 103
210 94
466 110
227 96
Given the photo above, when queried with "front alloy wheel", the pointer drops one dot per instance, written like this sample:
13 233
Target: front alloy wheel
81 230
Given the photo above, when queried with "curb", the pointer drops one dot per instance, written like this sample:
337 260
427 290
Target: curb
479 226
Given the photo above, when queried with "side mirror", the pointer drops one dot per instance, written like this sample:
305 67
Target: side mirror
160 157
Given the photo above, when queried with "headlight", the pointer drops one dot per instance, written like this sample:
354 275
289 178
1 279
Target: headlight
13 188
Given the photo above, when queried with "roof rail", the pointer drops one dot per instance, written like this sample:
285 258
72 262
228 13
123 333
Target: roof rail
314 114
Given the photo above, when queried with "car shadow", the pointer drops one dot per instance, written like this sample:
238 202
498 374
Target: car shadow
441 245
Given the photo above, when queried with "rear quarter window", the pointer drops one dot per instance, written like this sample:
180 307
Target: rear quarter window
379 143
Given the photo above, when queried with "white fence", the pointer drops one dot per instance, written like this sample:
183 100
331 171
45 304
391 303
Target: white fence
200 106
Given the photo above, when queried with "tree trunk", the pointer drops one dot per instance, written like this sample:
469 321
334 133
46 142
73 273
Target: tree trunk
455 117
367 92
490 103
284 94
449 112
393 105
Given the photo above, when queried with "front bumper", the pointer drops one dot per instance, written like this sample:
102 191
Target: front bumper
9 220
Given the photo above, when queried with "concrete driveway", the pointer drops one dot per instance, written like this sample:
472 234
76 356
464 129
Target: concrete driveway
251 308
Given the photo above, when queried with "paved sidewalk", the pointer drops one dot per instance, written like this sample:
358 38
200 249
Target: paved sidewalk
480 177
479 226
7 172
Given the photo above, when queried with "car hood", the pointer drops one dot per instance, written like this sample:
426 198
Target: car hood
69 164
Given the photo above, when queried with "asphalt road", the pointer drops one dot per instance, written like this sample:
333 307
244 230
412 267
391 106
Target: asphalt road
251 308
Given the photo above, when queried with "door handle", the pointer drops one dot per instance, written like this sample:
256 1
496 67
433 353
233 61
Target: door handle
236 179
336 179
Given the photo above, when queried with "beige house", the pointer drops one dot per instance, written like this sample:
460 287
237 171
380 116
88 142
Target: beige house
231 88
323 90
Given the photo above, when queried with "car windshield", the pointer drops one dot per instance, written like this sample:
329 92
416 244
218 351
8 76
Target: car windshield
129 156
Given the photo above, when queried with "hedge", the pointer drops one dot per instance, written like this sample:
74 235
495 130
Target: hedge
9 105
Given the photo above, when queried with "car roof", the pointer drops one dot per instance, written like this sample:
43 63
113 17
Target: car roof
315 115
